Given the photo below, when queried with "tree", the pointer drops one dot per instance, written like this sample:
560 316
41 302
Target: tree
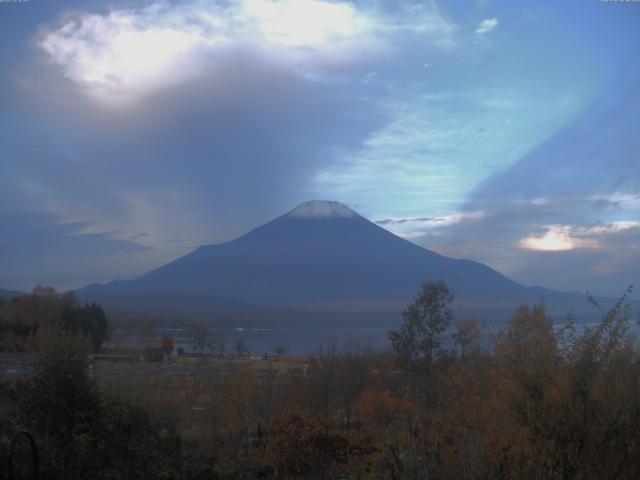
149 335
419 339
322 381
392 425
88 320
167 344
528 341
299 445
240 348
46 309
93 321
61 398
201 338
465 336
83 433
217 344
42 307
242 396
352 376
280 350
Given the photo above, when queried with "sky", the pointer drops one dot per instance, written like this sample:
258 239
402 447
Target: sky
504 132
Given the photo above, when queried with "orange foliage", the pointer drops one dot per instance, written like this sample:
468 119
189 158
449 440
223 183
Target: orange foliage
299 445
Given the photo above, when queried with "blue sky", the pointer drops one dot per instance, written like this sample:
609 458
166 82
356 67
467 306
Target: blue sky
506 132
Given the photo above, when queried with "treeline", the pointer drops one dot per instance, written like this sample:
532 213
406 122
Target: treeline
532 401
81 432
26 321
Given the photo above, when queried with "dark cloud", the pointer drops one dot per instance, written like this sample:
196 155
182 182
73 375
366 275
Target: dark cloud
203 161
43 249
138 236
208 160
607 264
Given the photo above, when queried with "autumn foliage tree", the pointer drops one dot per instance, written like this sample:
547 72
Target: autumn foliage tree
45 309
419 339
466 337
534 399
299 445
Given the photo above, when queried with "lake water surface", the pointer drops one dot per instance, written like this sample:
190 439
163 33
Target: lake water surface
297 341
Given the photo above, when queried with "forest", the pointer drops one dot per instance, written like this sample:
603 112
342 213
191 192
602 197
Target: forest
535 399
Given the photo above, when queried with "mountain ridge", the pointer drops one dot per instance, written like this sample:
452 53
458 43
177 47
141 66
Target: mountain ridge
319 253
7 295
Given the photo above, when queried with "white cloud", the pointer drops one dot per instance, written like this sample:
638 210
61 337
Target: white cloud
559 238
539 201
610 229
622 200
305 23
486 25
435 148
119 56
417 227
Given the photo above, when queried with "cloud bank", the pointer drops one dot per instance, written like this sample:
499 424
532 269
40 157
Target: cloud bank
126 53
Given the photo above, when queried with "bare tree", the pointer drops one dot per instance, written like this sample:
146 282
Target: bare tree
240 348
217 343
280 350
199 338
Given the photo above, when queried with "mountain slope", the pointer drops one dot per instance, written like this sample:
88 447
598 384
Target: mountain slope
320 252
9 294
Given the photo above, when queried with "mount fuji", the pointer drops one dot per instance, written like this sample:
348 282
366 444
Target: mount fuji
320 256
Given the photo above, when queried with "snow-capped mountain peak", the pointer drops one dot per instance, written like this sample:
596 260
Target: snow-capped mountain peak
321 209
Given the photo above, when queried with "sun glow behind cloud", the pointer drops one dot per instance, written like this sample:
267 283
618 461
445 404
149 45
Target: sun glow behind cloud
121 56
557 238
118 56
561 238
306 23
